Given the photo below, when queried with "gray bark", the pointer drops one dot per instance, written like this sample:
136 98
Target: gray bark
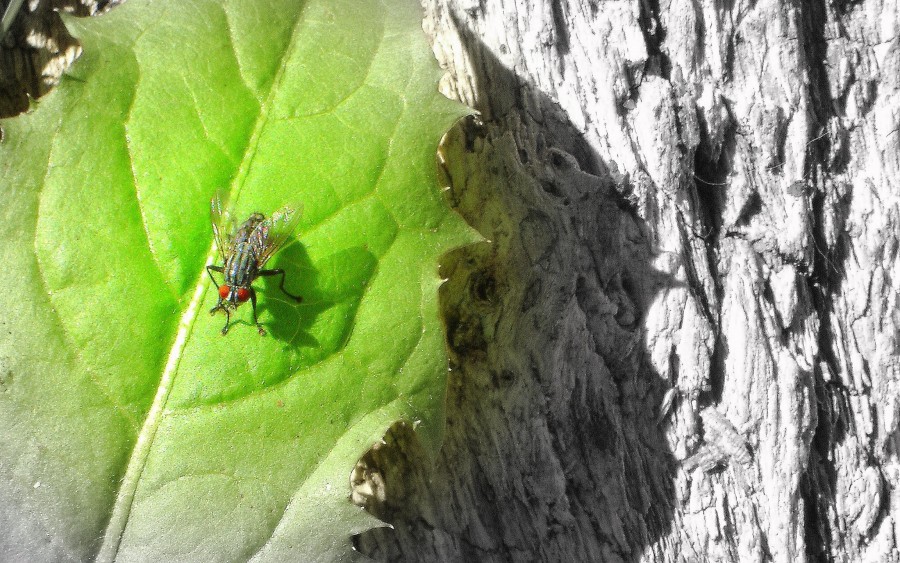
692 204
680 342
37 49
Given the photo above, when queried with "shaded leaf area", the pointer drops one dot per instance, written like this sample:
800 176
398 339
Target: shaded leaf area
129 427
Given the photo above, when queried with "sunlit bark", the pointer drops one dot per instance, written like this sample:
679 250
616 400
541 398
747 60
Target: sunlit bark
681 343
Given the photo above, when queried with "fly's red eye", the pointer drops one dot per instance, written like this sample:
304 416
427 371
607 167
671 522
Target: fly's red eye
243 294
224 290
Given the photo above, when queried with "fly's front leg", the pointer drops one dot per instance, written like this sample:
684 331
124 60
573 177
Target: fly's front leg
209 270
280 272
227 319
259 327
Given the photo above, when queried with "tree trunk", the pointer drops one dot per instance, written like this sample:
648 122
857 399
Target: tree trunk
38 49
668 350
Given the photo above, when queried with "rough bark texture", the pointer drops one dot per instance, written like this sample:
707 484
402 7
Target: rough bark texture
38 49
680 342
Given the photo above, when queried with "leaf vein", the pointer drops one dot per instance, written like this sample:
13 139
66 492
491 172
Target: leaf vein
137 462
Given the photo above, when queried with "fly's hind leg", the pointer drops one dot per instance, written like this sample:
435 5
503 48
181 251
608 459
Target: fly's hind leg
280 272
259 327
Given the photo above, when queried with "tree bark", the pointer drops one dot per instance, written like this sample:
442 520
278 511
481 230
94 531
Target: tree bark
680 339
681 342
38 49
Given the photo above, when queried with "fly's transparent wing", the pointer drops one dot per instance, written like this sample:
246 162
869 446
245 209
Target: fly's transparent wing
278 229
222 224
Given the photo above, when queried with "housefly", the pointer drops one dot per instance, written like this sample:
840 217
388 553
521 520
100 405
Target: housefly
245 249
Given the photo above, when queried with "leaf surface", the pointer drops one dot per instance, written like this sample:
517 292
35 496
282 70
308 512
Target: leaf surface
130 429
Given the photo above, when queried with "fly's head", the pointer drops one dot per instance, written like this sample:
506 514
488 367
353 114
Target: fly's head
232 297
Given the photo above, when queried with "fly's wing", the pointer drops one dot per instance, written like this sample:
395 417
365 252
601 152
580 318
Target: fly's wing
222 224
278 229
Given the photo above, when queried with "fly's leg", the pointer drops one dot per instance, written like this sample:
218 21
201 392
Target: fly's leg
259 327
227 319
209 270
280 272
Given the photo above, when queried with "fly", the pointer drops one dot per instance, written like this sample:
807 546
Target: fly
245 251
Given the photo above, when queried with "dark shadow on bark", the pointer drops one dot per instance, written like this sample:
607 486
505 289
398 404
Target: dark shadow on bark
553 447
827 157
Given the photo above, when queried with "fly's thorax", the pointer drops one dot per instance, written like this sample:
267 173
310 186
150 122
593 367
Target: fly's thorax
242 266
249 242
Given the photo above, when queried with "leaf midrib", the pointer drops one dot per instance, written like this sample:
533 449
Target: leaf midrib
121 509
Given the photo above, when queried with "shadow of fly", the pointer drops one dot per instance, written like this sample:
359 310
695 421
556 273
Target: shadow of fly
245 249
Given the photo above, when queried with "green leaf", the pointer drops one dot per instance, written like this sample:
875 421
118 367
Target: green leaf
130 429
